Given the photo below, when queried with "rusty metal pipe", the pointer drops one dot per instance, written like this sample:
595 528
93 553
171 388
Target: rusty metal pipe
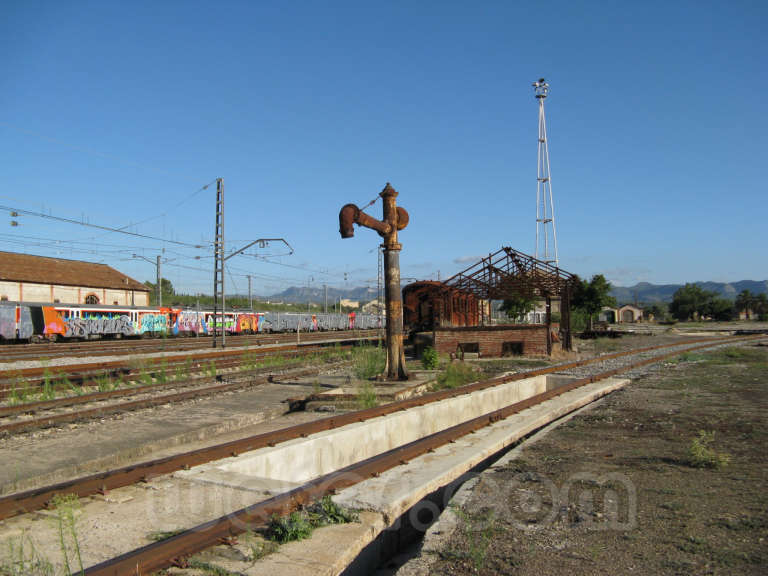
395 218
351 214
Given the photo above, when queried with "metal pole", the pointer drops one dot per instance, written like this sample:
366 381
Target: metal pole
159 284
250 299
218 263
325 289
395 369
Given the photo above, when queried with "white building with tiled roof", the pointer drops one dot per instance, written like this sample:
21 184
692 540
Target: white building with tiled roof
28 278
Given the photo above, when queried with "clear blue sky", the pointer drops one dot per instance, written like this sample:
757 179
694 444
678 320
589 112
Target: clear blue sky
119 112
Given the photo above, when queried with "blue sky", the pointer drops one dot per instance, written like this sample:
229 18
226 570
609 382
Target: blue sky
118 113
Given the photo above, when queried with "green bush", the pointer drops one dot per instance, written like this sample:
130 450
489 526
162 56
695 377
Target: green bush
299 525
366 396
369 361
295 526
701 455
456 374
429 358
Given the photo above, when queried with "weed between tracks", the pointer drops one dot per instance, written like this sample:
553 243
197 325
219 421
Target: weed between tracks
368 361
455 374
25 560
299 524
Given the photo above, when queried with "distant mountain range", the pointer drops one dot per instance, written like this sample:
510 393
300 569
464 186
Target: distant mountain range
316 294
644 292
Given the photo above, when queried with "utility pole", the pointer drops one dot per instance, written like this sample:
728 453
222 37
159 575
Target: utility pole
218 265
545 208
218 275
159 284
250 299
325 289
157 263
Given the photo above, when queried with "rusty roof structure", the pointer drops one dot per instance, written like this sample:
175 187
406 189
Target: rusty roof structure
508 273
15 267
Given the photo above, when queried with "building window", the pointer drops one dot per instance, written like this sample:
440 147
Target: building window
91 299
4 298
56 301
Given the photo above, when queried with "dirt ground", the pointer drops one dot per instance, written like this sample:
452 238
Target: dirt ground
631 486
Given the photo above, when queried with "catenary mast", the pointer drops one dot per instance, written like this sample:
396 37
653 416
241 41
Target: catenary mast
546 235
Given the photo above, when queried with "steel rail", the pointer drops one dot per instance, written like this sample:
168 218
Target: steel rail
10 353
78 372
172 551
200 371
122 407
27 501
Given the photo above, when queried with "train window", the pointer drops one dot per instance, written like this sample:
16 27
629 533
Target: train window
91 299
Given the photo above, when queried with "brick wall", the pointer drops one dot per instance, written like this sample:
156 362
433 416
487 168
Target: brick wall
491 339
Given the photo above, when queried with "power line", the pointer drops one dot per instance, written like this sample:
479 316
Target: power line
97 226
177 205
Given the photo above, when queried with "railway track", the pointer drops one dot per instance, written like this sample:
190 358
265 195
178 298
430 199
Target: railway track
25 417
15 352
26 381
27 501
172 551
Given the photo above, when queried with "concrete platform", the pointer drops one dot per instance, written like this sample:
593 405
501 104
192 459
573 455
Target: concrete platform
303 459
400 490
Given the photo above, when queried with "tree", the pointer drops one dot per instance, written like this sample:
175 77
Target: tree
658 310
518 306
761 307
165 284
754 305
720 309
592 296
689 301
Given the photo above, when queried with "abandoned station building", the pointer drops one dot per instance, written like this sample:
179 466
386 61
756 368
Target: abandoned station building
454 316
28 278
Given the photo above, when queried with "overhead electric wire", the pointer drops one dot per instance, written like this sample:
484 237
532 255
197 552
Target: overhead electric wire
163 214
97 226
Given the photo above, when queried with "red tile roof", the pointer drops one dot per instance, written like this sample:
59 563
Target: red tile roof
16 267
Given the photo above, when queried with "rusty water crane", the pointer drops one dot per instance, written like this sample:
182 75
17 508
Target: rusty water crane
395 218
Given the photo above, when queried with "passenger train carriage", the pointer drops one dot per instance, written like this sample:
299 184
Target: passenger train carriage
56 321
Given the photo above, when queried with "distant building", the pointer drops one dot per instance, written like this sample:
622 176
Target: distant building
374 307
350 303
28 278
627 314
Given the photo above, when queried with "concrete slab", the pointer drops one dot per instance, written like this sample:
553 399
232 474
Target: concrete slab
353 548
303 459
56 454
397 490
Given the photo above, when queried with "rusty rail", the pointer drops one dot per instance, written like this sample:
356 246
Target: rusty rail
170 552
27 501
208 355
14 352
101 411
28 407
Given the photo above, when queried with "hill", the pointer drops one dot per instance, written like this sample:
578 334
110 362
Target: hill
645 292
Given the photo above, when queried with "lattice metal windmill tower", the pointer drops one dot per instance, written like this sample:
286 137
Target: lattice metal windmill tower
546 234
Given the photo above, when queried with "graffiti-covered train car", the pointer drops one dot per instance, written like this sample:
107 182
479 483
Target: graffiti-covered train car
54 321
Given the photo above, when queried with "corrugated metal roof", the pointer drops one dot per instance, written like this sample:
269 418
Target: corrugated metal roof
16 267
